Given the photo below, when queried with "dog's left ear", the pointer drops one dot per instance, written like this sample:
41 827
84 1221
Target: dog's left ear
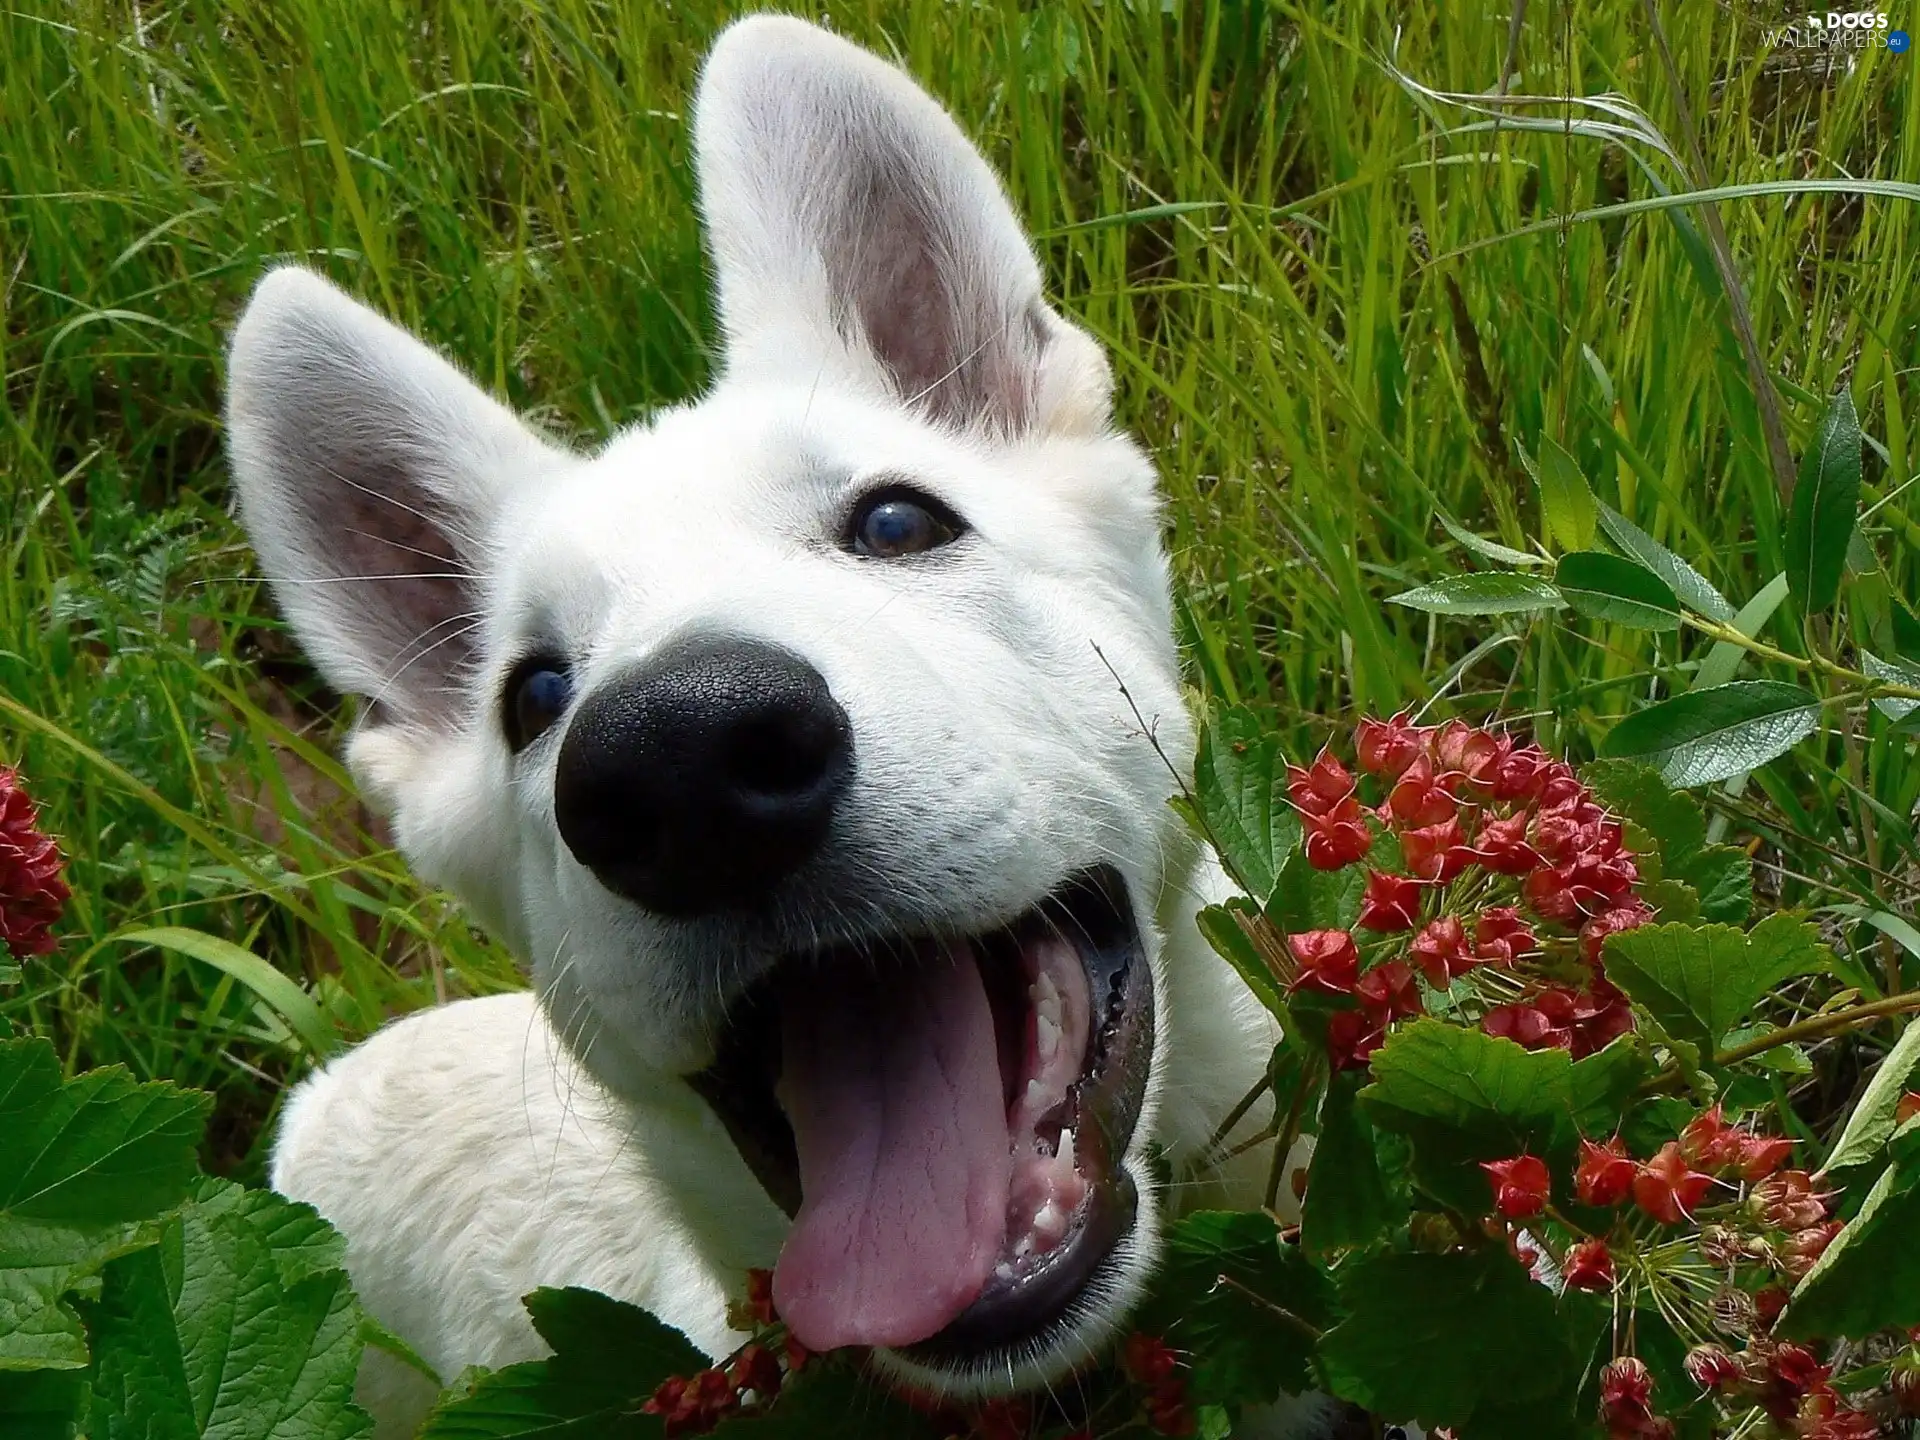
858 236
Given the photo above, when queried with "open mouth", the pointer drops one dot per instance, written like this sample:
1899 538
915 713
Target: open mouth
945 1118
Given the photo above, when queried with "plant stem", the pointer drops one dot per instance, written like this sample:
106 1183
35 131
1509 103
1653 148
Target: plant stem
1819 1025
1305 1327
1800 662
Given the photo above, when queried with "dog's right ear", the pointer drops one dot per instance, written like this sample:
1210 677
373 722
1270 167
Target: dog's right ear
370 474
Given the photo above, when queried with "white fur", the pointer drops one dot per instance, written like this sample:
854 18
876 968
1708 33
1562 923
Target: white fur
883 319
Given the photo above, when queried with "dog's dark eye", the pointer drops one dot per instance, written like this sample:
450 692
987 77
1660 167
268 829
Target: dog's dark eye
537 694
894 522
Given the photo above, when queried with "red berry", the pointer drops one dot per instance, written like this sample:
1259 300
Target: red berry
1501 846
1004 1419
1321 787
1593 934
1386 747
1520 1185
1708 1140
756 1369
32 892
1788 1201
1440 950
1605 1174
1794 1369
1712 1368
1462 749
1326 961
1435 852
1526 1025
1337 838
1626 1390
1418 799
1667 1188
1500 935
1589 1266
1906 1107
1147 1359
1804 1247
1390 991
1518 771
1768 1302
1352 1037
1391 903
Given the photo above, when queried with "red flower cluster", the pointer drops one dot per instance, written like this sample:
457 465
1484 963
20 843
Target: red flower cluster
1496 840
751 1378
1151 1364
32 894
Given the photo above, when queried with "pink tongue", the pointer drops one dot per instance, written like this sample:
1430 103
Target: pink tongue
892 1084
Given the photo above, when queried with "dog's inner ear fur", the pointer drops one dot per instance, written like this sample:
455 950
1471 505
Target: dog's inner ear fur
369 474
857 233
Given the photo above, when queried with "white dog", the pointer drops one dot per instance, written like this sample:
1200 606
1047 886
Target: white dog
785 739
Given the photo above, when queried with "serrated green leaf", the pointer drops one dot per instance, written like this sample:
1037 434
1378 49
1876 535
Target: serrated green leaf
829 1400
1702 736
82 1163
1462 1097
1905 627
1868 1279
1826 504
1894 672
1466 1340
1872 1123
1567 507
1605 587
1701 981
1240 788
1720 877
1307 898
1485 548
608 1358
1245 1349
96 1149
1483 594
201 1338
1687 583
1601 1085
1348 1203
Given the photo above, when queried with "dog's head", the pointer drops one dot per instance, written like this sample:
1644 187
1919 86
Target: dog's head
798 739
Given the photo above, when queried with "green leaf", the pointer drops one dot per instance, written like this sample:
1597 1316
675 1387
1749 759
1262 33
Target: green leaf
1720 876
201 1336
1311 899
95 1149
1245 1305
83 1162
1700 982
1871 1125
1462 1097
1484 594
1348 1203
1826 502
1686 582
1486 549
1605 587
1466 1340
1567 507
1240 788
1723 660
1601 1086
41 1404
1224 932
608 1358
826 1399
296 1009
1702 736
1894 672
1868 1279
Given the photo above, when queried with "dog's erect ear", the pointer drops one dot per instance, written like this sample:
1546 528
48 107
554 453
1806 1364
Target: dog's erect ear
858 234
369 473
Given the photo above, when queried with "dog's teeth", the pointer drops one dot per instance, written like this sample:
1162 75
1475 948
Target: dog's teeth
1051 1223
1036 1092
1003 1270
1065 1153
1049 1034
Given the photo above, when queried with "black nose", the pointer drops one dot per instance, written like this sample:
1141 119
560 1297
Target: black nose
699 780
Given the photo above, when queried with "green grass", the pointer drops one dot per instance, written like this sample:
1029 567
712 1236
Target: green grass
1335 307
